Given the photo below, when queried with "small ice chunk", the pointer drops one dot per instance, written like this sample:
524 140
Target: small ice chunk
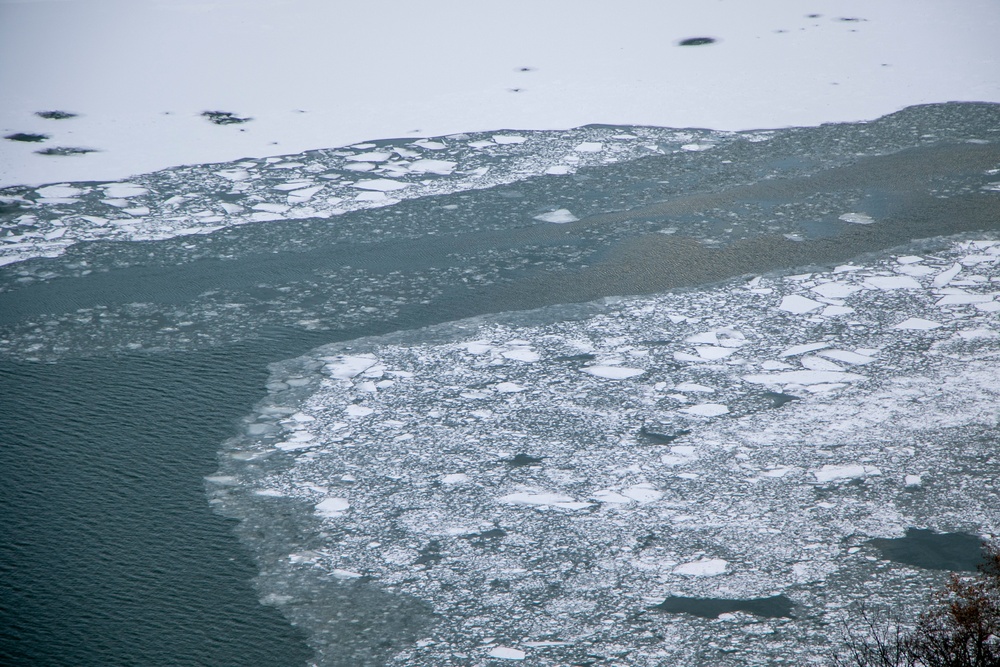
836 290
558 216
798 305
832 473
912 480
705 567
234 174
543 498
427 144
805 347
611 497
559 170
522 354
455 478
892 282
508 387
507 653
917 324
344 574
857 218
771 365
852 358
963 299
346 367
691 386
381 185
589 147
357 411
333 507
124 190
439 167
814 363
946 276
712 352
509 139
909 259
59 191
369 157
271 208
643 493
804 377
836 311
613 372
707 410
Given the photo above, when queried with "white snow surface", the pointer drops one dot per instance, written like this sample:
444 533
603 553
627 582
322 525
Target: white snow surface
751 501
444 66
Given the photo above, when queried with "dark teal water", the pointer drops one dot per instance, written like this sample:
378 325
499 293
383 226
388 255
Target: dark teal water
110 554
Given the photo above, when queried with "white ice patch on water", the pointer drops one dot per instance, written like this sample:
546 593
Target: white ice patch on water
613 372
558 216
857 218
798 305
707 567
571 500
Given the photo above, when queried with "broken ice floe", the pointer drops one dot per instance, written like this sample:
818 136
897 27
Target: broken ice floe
315 184
744 498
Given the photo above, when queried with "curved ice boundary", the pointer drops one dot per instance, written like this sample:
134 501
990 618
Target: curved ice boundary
543 480
201 199
316 184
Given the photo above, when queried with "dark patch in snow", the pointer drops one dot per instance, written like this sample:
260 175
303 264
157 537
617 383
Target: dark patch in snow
55 115
66 150
224 117
26 136
696 41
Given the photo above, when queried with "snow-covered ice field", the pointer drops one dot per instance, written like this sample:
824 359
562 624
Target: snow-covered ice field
318 74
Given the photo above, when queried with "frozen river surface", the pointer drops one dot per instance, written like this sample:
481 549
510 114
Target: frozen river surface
476 449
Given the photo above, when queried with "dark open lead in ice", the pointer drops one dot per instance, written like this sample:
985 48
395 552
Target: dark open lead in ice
776 606
933 551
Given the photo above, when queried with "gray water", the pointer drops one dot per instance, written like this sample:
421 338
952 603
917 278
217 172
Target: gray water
127 363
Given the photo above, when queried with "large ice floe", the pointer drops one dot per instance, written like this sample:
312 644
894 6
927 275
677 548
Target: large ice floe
689 478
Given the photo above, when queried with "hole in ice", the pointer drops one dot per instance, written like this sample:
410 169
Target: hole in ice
778 399
487 538
933 551
26 136
523 460
224 117
430 555
696 41
55 115
777 606
662 438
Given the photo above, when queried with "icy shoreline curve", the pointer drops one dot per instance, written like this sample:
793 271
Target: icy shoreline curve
543 480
